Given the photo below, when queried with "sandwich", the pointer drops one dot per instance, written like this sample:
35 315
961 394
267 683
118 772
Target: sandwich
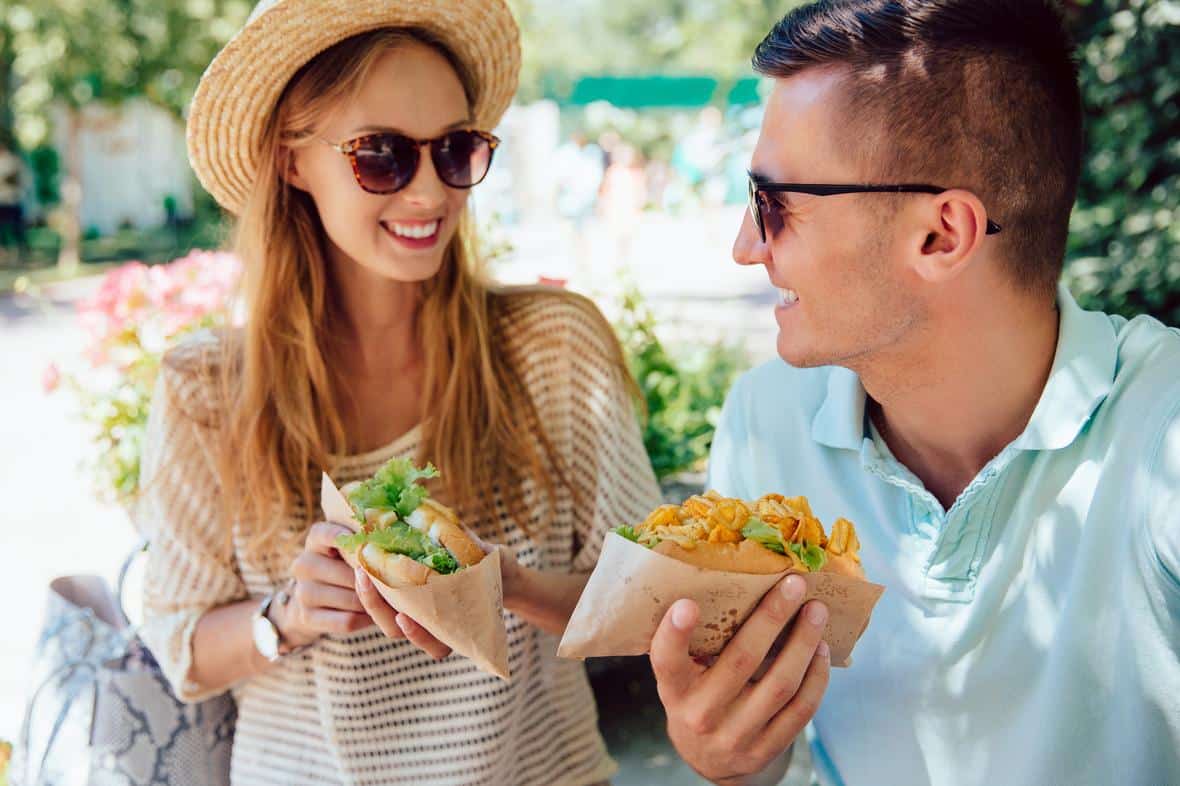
771 535
405 537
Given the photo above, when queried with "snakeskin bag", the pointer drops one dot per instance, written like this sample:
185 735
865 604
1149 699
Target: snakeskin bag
102 713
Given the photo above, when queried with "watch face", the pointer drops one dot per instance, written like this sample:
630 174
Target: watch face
266 638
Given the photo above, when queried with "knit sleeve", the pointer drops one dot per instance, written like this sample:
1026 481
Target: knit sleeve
609 468
190 564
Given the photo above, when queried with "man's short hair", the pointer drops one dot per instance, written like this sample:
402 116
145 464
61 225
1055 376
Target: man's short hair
975 94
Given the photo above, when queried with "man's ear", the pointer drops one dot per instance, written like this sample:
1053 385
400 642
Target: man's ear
955 225
288 170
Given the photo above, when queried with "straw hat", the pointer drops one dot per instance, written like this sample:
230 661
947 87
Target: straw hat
243 83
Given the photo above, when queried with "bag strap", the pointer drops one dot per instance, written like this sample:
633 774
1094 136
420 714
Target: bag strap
120 583
64 672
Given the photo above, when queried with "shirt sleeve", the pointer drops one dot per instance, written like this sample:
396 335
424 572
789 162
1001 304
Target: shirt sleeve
1163 520
609 467
190 563
727 455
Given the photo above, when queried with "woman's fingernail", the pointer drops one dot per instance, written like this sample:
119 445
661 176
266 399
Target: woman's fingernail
682 616
823 650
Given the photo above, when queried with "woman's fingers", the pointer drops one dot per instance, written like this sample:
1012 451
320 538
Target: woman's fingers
384 615
314 594
422 638
314 566
333 621
321 538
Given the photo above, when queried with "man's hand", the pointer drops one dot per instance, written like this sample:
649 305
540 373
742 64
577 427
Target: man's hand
726 726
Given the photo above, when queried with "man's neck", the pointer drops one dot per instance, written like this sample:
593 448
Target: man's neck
949 401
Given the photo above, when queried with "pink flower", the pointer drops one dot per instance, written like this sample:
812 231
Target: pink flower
50 378
547 281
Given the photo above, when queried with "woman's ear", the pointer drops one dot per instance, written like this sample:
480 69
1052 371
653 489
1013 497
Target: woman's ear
288 168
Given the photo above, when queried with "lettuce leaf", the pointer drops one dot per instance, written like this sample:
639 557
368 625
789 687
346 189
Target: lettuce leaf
401 538
396 486
768 536
628 532
809 554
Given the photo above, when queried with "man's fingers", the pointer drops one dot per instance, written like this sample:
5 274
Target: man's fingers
422 638
783 680
673 668
314 566
792 719
384 615
321 538
747 649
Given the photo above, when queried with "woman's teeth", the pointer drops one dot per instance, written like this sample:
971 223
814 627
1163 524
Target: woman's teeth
417 231
787 296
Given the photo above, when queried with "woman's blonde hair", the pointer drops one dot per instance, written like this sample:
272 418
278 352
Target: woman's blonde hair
481 427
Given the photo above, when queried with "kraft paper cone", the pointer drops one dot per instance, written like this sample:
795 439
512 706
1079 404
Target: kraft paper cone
464 610
632 587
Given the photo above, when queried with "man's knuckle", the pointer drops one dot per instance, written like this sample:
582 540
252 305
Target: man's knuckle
699 722
741 660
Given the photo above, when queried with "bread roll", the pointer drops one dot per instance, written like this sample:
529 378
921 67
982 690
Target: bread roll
442 525
396 570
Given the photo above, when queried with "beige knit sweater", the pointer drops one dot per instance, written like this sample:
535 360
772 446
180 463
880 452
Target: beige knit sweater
364 709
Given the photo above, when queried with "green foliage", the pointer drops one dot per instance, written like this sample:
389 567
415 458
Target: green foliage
683 396
565 40
1124 251
77 51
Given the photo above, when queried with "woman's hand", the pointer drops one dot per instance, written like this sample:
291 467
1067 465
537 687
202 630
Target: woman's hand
392 622
545 598
323 599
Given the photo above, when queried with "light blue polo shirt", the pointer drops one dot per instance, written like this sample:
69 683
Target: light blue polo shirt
1030 634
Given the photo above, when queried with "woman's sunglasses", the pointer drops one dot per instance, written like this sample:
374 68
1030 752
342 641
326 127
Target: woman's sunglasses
387 162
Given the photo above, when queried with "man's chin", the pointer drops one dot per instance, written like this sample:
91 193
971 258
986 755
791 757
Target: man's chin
798 355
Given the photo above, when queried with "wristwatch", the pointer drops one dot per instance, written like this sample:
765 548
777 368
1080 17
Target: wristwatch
267 639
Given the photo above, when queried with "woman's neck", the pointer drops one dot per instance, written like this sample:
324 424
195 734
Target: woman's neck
374 321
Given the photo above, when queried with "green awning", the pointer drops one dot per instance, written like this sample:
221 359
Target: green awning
663 91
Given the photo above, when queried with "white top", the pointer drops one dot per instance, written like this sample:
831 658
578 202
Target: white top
364 709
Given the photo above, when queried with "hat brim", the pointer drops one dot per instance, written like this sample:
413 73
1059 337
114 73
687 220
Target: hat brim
239 90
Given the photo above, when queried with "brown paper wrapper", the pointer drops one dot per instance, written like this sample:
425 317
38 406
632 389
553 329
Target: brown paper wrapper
464 610
632 587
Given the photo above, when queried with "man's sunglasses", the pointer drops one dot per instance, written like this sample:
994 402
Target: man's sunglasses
770 217
387 162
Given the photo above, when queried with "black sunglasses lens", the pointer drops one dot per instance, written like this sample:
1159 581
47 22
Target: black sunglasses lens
461 158
755 212
385 162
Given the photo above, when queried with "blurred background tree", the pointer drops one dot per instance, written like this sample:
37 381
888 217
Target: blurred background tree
1124 251
66 54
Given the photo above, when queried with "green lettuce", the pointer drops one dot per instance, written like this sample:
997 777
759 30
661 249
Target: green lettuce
396 486
401 538
628 532
809 554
